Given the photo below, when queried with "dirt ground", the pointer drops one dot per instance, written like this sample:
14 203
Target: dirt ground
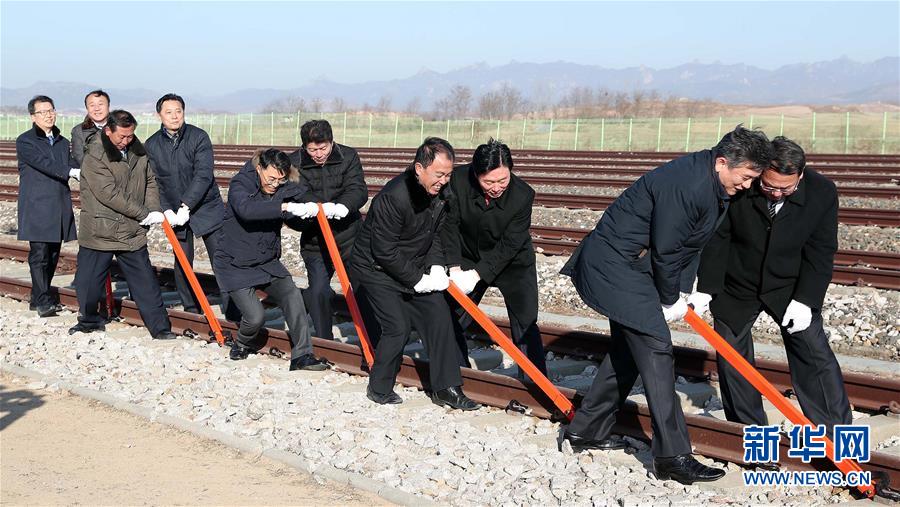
58 448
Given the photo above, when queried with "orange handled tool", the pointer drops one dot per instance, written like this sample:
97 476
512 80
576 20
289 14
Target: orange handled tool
541 380
345 285
195 284
767 389
110 303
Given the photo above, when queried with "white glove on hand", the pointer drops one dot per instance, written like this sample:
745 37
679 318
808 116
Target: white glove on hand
340 211
328 207
154 218
303 209
75 173
439 280
800 314
171 217
423 285
700 301
183 215
675 311
465 280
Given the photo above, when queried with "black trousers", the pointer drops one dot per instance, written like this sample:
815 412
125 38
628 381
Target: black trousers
389 315
632 353
188 299
317 297
42 260
90 282
520 295
815 375
287 296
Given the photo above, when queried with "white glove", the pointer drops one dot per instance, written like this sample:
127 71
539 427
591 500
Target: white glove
328 208
154 218
700 301
800 314
171 217
465 280
183 215
439 280
303 209
675 311
423 285
340 211
75 173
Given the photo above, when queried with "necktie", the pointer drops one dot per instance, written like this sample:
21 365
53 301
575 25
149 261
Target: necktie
772 205
50 139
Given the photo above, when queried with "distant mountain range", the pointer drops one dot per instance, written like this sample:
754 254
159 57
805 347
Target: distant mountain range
840 81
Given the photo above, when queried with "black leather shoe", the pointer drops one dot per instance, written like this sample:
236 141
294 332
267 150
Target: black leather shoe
770 467
47 311
165 335
580 443
685 469
238 351
454 397
391 398
86 328
308 362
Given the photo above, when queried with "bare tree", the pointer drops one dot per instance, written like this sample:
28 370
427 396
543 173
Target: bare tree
414 106
502 103
460 101
338 105
289 104
384 104
316 105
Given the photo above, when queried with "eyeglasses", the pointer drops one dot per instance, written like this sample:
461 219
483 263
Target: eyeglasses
44 114
782 191
275 181
313 151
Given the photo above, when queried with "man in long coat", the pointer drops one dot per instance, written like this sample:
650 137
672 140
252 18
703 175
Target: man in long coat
631 268
44 210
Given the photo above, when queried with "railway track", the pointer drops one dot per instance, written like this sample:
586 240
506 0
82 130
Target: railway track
712 437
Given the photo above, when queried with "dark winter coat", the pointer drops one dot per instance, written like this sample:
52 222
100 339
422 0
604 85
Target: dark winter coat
752 259
184 172
491 238
400 239
45 203
339 180
249 249
645 247
81 137
116 194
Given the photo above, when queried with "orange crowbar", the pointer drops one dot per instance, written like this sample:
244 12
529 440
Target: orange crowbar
561 402
345 285
768 390
195 284
110 304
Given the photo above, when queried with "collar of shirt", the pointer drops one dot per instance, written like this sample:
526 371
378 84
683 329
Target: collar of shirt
171 135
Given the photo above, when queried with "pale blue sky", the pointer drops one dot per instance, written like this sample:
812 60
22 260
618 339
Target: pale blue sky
217 47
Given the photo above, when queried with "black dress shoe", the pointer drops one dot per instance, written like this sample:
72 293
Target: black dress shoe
308 362
685 469
580 443
165 335
86 328
47 311
391 398
770 467
238 351
454 397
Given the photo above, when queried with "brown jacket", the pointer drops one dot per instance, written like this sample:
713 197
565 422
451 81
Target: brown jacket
116 194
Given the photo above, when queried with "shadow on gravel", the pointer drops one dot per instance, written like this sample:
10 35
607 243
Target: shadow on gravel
15 404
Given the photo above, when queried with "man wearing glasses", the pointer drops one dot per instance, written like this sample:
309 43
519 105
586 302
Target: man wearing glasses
333 175
44 210
775 254
261 198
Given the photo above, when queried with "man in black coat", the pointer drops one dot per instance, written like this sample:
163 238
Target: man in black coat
333 176
260 201
775 253
487 242
631 268
181 155
44 209
397 269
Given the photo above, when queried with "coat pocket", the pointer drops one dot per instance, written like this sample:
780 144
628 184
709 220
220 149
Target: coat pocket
106 227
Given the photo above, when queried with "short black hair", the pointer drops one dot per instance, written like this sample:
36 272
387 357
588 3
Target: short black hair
39 98
316 131
120 118
275 158
96 93
742 146
429 149
168 96
789 157
490 156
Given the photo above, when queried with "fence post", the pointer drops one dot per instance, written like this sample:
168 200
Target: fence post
576 135
630 127
847 135
883 132
224 127
272 128
421 130
550 137
781 129
524 122
237 133
472 136
814 131
251 128
369 143
659 134
718 132
447 137
687 140
751 122
344 139
297 130
498 130
602 133
396 128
